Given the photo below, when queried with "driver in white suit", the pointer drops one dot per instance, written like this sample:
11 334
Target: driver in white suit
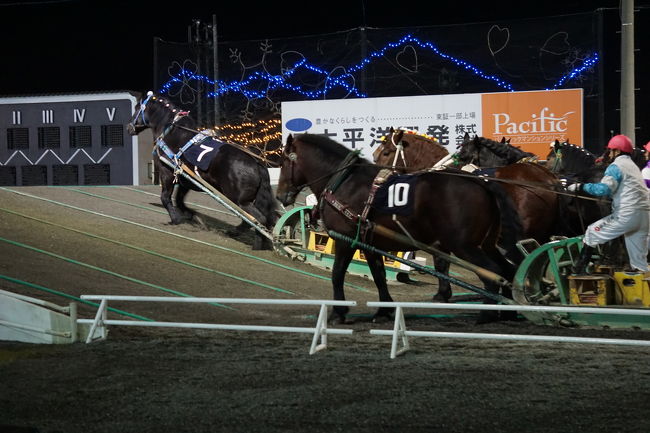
630 215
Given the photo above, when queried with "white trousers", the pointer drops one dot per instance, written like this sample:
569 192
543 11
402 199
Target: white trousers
633 225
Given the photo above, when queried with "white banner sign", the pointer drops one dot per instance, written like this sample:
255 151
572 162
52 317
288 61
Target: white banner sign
361 123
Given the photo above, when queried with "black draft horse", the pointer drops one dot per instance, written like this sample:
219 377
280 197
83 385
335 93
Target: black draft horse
233 172
461 215
575 164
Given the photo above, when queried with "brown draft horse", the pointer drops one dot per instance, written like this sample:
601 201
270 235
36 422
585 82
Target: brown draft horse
392 150
410 151
530 186
462 215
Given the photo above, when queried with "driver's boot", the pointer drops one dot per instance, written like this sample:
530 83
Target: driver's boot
580 267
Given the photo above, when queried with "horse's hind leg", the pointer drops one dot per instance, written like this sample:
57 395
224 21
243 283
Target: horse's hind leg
477 257
260 242
508 271
376 264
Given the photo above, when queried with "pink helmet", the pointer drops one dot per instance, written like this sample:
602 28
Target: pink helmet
647 146
620 142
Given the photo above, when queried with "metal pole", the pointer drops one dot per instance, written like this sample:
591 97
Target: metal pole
215 69
155 64
627 69
199 70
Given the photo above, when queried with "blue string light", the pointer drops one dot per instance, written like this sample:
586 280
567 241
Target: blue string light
269 82
587 63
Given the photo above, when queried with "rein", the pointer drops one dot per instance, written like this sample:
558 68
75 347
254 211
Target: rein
532 185
197 133
399 151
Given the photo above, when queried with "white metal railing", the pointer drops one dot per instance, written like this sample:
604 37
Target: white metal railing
320 331
399 331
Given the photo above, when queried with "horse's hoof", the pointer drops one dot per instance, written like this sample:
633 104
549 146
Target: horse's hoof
509 316
439 297
232 233
199 221
381 318
338 320
487 316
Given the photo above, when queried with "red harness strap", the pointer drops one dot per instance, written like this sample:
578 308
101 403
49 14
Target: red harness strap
381 177
344 209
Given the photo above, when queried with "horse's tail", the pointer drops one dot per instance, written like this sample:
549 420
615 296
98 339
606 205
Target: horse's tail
511 226
264 200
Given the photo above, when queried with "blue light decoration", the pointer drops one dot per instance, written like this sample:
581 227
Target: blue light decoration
270 82
588 63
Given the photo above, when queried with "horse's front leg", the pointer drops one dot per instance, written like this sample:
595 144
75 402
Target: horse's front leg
175 214
376 264
342 257
178 201
444 287
169 193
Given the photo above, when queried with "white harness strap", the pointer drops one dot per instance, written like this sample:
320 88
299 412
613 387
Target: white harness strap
471 168
399 151
444 162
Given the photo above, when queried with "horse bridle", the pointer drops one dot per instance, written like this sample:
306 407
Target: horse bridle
292 157
143 106
399 150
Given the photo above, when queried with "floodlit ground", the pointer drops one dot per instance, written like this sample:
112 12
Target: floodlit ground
86 240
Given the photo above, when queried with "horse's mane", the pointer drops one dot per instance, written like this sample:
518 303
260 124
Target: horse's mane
332 151
165 107
423 147
504 150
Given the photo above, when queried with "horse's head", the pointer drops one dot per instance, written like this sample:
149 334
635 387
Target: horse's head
468 151
152 112
409 149
291 179
554 156
385 153
566 158
138 122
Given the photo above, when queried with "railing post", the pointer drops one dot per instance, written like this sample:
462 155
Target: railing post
74 330
99 317
399 331
320 331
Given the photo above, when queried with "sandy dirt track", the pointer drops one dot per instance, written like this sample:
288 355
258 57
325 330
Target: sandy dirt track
85 240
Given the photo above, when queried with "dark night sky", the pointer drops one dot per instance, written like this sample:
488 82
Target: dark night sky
75 45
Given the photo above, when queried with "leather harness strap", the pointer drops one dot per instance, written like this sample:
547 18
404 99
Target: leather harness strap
361 220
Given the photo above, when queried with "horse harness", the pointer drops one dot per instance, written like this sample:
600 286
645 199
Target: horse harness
161 145
364 225
198 139
399 151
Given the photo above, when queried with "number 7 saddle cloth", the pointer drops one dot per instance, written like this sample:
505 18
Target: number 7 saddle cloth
202 152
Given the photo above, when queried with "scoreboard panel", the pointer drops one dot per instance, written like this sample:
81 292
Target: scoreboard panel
72 139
